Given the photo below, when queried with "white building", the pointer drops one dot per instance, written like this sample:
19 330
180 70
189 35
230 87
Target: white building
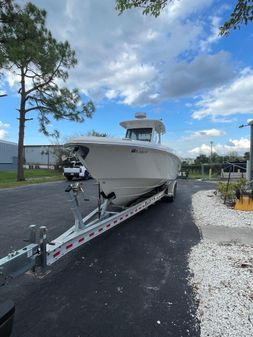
40 156
8 155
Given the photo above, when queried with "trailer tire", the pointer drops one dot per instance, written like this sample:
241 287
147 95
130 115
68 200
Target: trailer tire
69 178
170 198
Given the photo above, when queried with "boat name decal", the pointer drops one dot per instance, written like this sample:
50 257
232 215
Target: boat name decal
139 151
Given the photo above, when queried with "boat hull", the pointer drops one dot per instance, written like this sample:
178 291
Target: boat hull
127 169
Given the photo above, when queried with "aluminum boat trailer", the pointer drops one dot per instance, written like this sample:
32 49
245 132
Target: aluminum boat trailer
39 253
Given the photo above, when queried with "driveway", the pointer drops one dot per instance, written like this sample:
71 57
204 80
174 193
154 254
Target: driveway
130 281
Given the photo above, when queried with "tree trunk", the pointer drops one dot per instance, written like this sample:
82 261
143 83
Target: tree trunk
20 172
21 135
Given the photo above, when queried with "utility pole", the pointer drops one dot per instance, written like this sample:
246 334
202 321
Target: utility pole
211 155
251 152
250 123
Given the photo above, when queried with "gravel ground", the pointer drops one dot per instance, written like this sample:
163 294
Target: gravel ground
208 209
222 274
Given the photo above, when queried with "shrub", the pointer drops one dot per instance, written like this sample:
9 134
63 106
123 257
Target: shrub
228 190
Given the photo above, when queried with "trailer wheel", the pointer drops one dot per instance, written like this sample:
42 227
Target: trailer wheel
169 198
170 193
69 178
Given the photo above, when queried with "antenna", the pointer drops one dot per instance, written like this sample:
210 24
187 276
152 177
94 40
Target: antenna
140 115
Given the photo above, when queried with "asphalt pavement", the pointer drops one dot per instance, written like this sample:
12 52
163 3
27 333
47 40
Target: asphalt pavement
130 281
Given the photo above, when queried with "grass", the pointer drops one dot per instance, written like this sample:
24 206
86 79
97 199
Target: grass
37 176
197 175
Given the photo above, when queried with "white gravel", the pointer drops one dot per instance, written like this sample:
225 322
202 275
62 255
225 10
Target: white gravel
222 274
209 209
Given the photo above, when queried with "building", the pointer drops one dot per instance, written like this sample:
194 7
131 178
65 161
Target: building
8 155
40 156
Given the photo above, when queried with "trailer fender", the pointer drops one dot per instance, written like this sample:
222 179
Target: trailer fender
170 192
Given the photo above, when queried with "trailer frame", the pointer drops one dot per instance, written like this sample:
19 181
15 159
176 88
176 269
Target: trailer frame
40 253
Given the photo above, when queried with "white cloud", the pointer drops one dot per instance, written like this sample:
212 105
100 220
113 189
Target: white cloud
234 145
137 59
216 23
4 125
183 8
3 132
205 134
202 149
235 98
223 120
13 79
2 92
204 72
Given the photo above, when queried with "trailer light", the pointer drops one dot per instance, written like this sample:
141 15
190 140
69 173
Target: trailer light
56 254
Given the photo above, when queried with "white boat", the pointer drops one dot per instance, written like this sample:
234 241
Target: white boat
130 167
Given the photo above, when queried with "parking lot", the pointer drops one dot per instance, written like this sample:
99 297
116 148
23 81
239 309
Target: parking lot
130 281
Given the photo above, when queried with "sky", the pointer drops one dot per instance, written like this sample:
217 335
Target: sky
175 67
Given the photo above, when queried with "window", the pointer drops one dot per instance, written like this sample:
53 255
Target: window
140 134
156 137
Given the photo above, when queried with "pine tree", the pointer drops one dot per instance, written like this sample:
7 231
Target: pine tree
28 49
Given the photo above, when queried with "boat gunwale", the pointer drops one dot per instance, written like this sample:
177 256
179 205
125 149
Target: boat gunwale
98 141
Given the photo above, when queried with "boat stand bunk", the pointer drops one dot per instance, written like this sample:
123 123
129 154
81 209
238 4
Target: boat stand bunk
39 253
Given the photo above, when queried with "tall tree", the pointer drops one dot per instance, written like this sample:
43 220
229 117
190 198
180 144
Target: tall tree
6 16
201 159
6 10
242 13
41 63
97 133
152 7
246 155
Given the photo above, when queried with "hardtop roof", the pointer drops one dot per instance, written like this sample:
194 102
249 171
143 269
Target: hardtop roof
144 123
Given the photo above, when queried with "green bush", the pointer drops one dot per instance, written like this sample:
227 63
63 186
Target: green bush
228 191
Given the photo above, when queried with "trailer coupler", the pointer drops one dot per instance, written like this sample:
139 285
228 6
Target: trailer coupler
28 258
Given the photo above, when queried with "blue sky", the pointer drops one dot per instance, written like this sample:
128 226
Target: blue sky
175 67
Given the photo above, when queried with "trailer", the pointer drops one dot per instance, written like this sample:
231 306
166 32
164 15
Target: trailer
39 254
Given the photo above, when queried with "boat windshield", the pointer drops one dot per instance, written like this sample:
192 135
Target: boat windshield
140 134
